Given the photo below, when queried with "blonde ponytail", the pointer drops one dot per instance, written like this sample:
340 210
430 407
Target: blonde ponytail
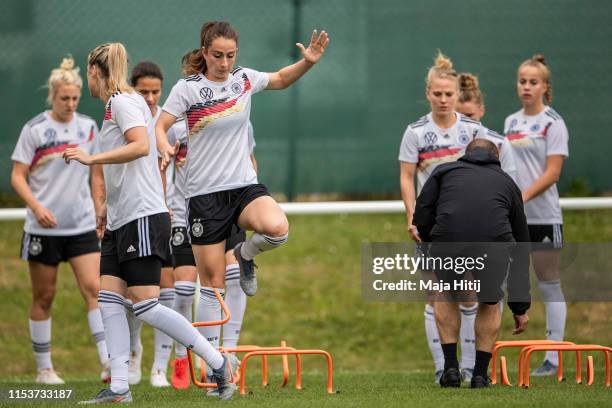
112 61
66 74
469 90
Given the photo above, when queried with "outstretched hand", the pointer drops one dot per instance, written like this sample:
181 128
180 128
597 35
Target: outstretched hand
316 48
166 153
74 153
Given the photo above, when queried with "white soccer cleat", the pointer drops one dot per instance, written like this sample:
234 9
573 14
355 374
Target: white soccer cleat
134 372
158 379
48 376
105 374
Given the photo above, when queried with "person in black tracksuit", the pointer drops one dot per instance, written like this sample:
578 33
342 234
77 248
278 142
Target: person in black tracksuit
474 201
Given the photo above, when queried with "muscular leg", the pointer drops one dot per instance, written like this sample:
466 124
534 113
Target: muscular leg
488 321
43 278
448 322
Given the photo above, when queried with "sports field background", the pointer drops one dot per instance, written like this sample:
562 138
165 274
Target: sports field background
310 296
338 130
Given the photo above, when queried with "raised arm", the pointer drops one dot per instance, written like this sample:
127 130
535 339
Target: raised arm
288 75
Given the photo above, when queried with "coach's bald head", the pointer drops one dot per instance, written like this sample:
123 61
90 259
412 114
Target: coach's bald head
482 144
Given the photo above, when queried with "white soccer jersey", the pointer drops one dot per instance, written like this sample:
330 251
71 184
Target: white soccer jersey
427 145
175 194
134 189
533 139
61 188
217 117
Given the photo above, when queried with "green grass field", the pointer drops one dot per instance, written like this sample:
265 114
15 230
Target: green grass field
310 295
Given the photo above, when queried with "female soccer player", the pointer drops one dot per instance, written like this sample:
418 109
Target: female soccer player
222 187
147 79
60 223
132 214
439 137
539 139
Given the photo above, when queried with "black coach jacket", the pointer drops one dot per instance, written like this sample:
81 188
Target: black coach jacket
474 200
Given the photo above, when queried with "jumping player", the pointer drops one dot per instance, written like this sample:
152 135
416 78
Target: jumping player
60 222
132 215
539 138
221 185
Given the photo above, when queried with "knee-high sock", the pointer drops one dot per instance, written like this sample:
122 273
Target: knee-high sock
116 330
135 326
235 300
467 336
94 317
183 304
40 333
163 342
257 243
209 309
175 326
556 313
433 338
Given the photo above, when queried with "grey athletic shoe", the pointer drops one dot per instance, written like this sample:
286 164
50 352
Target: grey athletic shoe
467 374
224 377
210 392
248 280
547 368
106 396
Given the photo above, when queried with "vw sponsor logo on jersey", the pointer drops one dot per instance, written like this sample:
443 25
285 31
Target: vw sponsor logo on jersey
50 135
236 88
206 93
35 248
197 229
431 138
535 128
463 139
178 238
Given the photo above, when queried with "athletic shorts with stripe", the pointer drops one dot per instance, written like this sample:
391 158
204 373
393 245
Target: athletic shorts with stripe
212 216
182 254
145 238
546 237
52 250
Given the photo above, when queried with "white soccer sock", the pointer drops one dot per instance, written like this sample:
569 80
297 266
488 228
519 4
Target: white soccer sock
236 300
467 336
209 309
135 327
556 313
259 243
116 329
175 326
40 333
163 342
94 317
183 302
433 337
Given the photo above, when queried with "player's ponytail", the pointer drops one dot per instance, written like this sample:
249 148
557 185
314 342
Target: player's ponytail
66 74
539 61
193 62
469 90
442 68
112 62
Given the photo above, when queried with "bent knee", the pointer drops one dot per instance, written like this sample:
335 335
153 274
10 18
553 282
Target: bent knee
278 229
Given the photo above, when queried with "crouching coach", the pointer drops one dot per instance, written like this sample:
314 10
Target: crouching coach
471 209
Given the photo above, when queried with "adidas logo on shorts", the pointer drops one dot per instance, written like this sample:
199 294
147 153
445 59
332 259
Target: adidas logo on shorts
131 249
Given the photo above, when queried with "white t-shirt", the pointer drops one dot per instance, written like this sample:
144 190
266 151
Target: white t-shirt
175 191
134 189
427 145
217 117
533 139
61 188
